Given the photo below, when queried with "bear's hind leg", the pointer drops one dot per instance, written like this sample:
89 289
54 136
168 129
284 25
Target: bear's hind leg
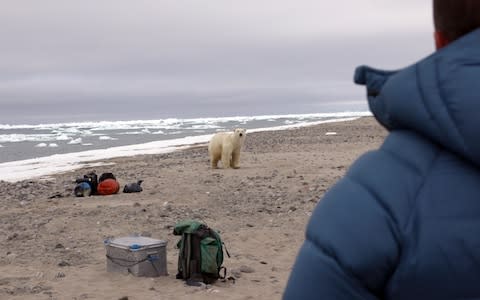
214 161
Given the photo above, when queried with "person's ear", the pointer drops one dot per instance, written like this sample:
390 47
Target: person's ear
440 40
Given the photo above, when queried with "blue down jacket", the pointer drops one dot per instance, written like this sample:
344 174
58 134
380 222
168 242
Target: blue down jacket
404 223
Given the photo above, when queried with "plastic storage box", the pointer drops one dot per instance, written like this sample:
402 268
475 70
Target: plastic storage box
139 256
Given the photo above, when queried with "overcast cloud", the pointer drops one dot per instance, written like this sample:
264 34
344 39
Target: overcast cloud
187 57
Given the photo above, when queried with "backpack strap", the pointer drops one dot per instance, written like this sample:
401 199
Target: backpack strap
224 273
226 250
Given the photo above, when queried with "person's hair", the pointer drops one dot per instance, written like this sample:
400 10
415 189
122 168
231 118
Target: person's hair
455 18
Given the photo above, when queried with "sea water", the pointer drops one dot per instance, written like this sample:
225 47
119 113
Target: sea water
35 150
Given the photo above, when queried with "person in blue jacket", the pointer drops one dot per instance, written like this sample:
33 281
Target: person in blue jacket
404 222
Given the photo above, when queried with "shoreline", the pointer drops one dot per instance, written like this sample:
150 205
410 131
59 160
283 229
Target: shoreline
53 242
36 168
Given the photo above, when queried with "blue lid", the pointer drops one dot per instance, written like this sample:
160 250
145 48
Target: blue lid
135 246
134 243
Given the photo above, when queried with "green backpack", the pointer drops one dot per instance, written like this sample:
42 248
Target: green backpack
200 256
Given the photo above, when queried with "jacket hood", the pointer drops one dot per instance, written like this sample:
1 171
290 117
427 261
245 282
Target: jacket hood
438 97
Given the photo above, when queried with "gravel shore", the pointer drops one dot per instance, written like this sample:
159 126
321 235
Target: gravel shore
52 242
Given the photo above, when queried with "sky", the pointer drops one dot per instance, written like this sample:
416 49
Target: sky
116 59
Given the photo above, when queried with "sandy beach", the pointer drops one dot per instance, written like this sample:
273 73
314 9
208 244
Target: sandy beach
52 242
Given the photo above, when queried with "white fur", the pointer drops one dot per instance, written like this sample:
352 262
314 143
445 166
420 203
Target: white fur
226 146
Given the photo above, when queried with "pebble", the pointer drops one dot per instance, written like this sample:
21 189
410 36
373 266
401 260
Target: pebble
194 283
13 236
246 269
63 264
236 273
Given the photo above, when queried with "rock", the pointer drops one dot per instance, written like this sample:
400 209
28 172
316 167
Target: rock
11 256
59 246
249 225
246 269
123 298
236 273
199 284
63 264
263 262
56 195
136 204
13 236
60 275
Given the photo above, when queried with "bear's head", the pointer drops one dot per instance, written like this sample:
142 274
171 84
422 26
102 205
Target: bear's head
240 133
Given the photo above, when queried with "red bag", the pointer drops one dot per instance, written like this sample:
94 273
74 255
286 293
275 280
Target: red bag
108 187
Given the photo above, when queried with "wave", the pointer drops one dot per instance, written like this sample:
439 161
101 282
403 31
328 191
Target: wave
113 130
174 123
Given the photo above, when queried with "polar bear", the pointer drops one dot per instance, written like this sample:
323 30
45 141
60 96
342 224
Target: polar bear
226 146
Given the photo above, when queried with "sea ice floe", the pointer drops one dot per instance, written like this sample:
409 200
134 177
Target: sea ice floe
41 145
106 138
75 141
62 137
52 145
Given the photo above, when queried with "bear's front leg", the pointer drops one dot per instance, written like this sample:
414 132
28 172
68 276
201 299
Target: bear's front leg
235 163
226 157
